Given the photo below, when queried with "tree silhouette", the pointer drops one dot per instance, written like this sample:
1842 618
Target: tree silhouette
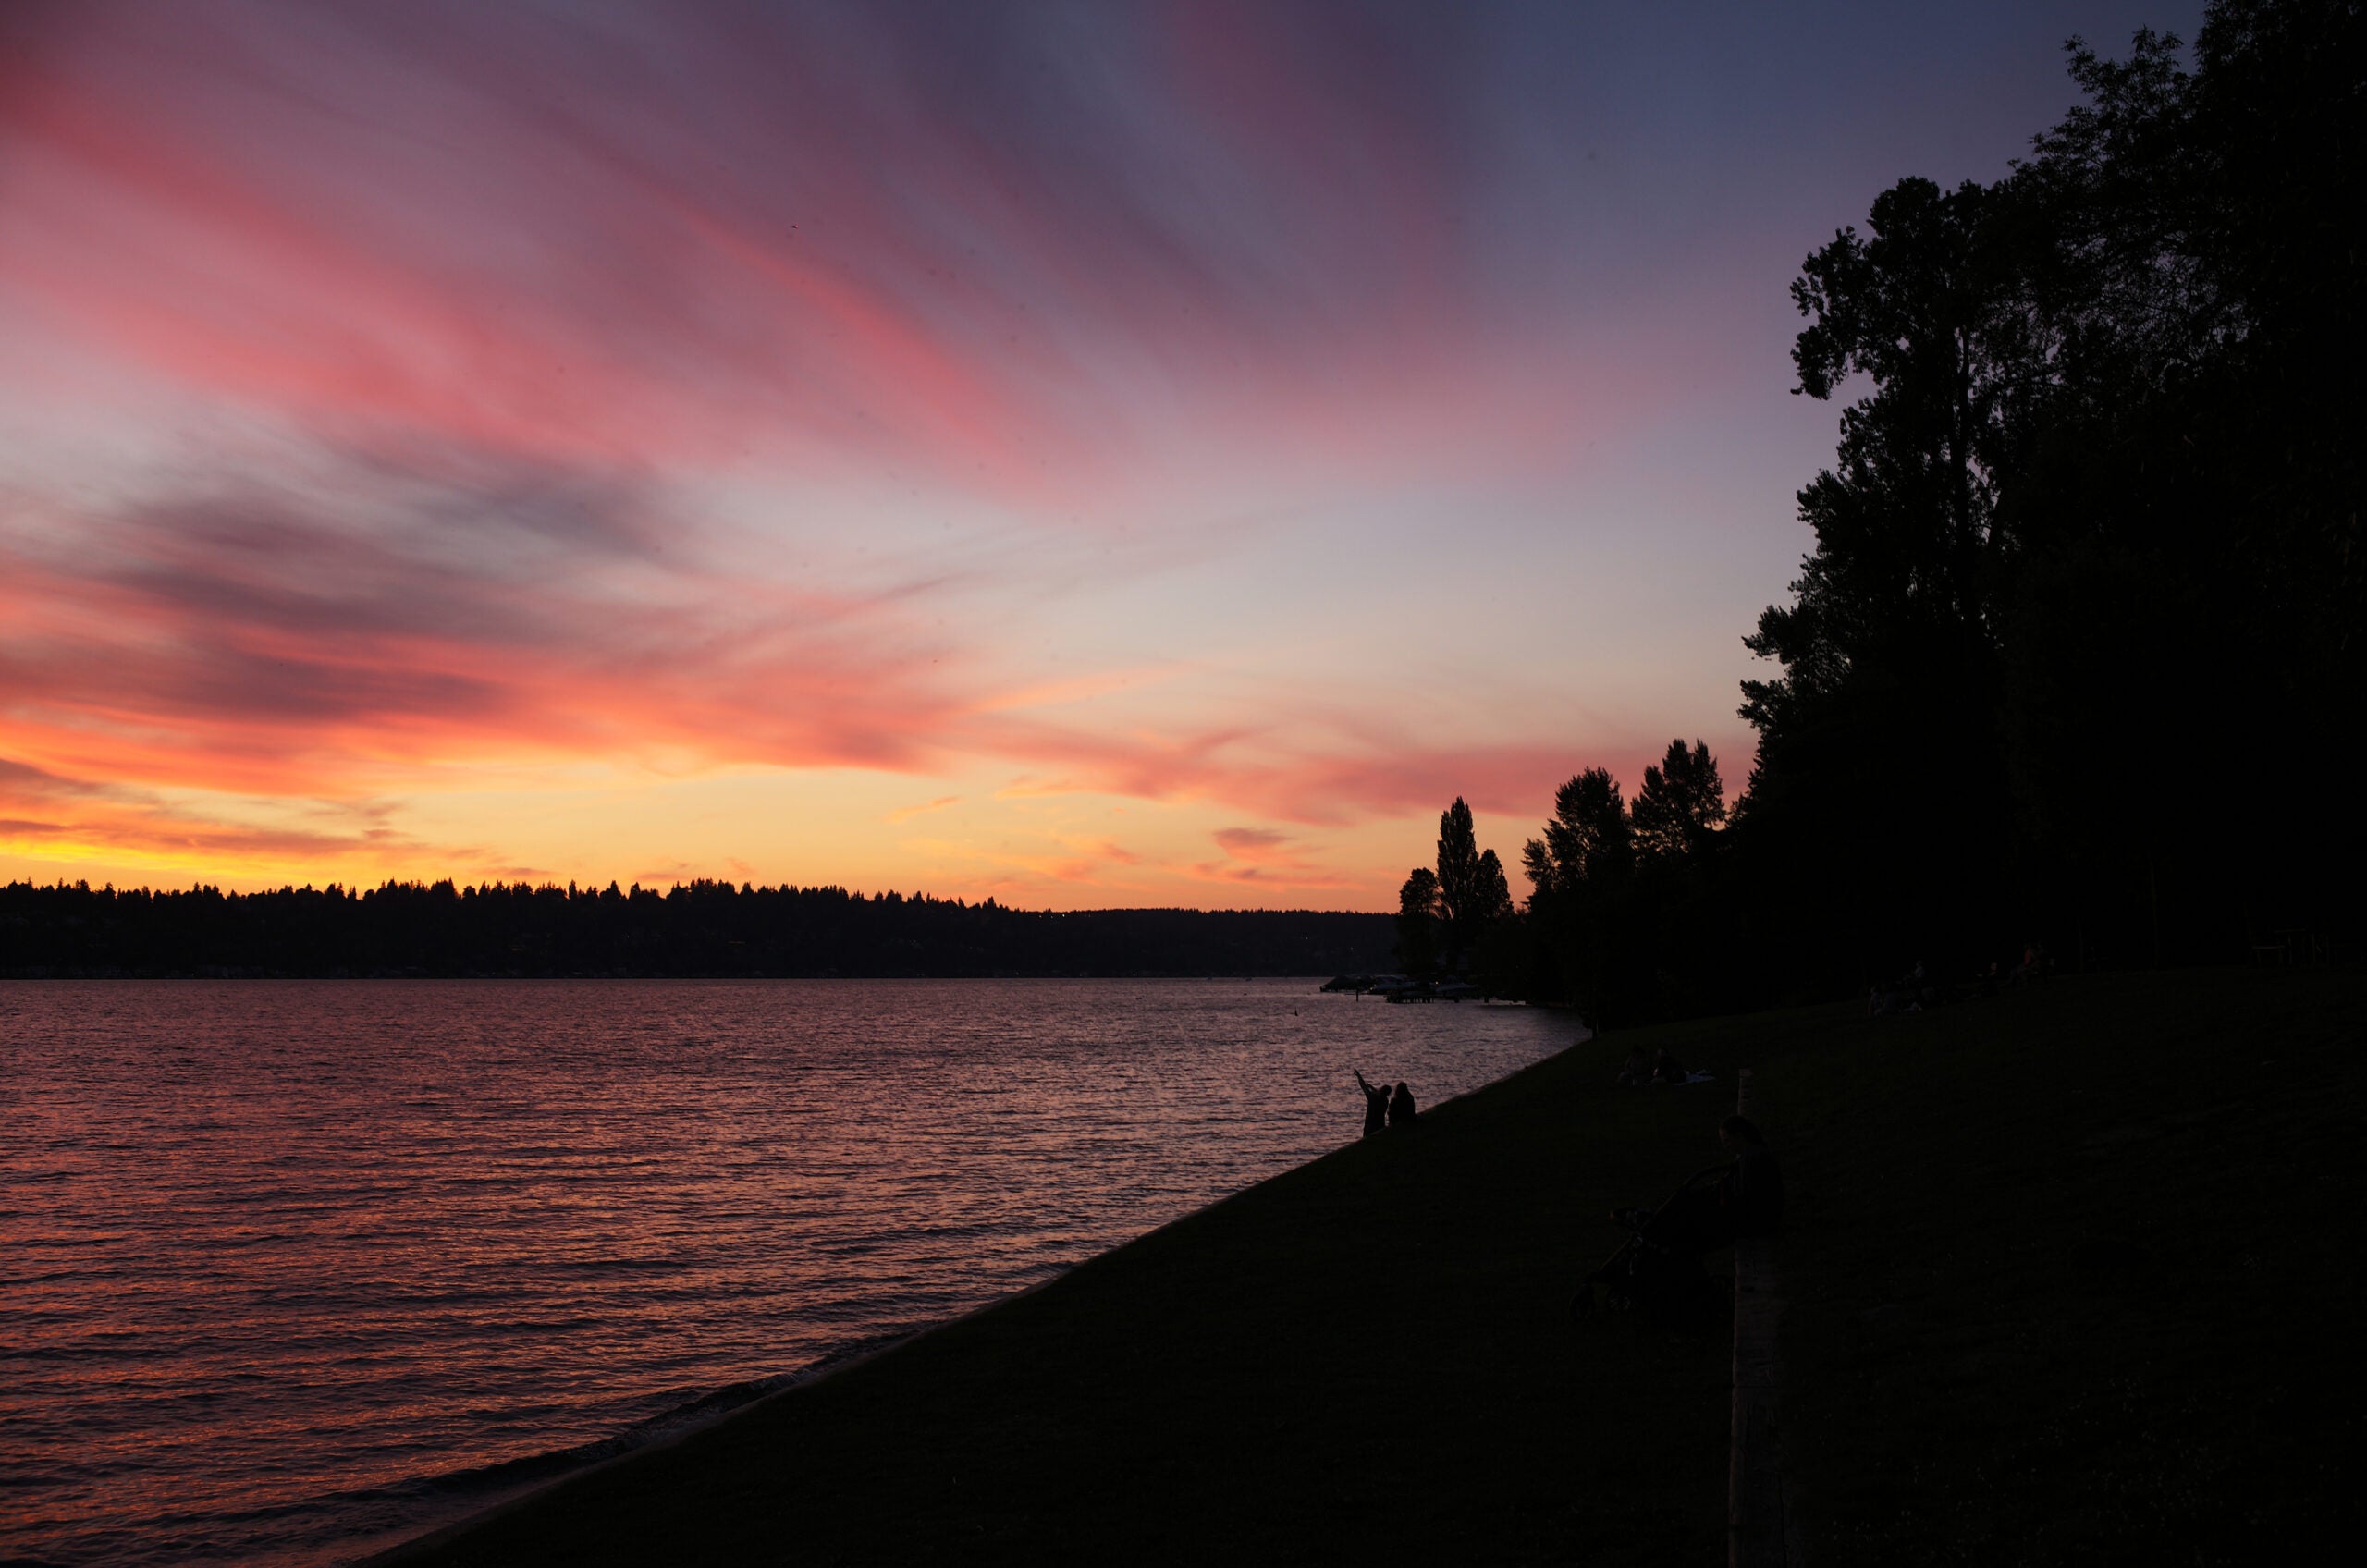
1418 915
1881 746
1493 900
2096 500
1587 842
2102 486
1681 806
1500 956
1463 906
1579 878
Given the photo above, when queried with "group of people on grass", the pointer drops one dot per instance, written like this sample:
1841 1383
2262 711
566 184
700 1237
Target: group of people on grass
1916 991
1662 1067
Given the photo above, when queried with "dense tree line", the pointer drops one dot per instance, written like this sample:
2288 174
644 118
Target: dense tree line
702 929
2076 658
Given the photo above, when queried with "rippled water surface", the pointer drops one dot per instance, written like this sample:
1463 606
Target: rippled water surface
287 1265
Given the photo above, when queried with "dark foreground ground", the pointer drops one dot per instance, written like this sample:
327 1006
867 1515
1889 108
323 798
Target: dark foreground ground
2080 1280
2073 1275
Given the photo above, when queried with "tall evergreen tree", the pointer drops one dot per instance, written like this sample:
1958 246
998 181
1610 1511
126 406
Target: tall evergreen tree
1461 897
1472 895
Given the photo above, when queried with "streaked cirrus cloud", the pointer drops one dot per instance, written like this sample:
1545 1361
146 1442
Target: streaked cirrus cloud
568 440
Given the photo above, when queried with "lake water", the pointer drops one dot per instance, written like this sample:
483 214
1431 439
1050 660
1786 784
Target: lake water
291 1269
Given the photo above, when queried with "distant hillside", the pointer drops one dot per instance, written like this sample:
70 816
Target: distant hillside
702 929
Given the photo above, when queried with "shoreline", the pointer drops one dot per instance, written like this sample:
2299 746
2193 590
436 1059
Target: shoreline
961 1410
676 1430
829 1365
1370 1356
891 1156
784 1384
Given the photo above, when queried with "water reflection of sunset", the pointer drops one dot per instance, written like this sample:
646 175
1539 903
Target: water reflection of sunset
293 1252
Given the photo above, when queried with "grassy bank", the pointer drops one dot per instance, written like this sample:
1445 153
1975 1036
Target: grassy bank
2074 1276
2049 1255
1367 1356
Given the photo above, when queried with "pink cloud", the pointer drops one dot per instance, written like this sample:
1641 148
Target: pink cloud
251 643
1250 844
59 817
1267 858
1292 767
572 276
501 324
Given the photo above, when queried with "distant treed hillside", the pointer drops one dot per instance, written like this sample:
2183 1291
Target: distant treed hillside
704 928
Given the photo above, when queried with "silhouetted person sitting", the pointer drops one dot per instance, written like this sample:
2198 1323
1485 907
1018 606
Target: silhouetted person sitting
1666 1068
1745 1199
1375 1104
1401 1107
1636 1070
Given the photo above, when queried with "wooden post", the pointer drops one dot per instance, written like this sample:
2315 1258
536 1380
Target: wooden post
1758 1533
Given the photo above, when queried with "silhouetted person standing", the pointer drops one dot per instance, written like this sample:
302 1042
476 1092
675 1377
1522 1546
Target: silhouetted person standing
1401 1107
1375 1105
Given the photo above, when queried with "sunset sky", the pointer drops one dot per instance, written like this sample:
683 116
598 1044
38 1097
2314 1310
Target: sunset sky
1094 455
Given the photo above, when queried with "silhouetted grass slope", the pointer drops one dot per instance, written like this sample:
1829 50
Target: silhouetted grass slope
1367 1357
2067 1271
